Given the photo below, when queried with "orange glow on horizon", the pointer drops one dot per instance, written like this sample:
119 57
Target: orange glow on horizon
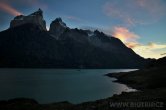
120 36
126 36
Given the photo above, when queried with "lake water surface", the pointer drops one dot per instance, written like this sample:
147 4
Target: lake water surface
54 85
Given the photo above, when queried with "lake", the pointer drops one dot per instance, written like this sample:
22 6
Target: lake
54 85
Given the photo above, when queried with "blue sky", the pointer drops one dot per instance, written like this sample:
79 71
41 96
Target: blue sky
140 24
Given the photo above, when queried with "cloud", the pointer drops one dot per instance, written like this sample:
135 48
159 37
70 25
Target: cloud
25 3
132 44
130 13
152 6
150 50
163 54
130 39
8 5
9 9
74 18
112 11
155 46
124 34
133 12
151 46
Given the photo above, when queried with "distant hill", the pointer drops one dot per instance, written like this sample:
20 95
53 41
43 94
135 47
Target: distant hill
161 62
27 43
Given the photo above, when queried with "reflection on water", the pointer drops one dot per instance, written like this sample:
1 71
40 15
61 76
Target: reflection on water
54 85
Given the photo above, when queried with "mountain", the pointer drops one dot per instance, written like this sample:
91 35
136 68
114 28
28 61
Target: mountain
27 43
57 27
35 18
161 62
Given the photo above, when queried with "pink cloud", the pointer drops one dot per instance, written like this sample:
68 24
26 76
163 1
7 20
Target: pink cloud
130 39
113 11
132 45
9 9
155 8
124 34
31 3
73 18
134 12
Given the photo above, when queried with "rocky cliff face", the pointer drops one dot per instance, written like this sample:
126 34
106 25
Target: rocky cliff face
34 18
57 27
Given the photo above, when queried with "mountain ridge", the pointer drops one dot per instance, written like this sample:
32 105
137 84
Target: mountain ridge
29 45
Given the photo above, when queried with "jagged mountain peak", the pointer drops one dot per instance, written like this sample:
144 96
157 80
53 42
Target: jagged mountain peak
34 18
57 27
58 21
39 12
27 44
97 32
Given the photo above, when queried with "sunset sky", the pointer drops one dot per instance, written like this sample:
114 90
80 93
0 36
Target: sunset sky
140 24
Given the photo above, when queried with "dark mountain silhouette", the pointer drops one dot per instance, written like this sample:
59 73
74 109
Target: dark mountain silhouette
161 62
28 44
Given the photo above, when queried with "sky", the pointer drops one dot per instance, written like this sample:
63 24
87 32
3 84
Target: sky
139 24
